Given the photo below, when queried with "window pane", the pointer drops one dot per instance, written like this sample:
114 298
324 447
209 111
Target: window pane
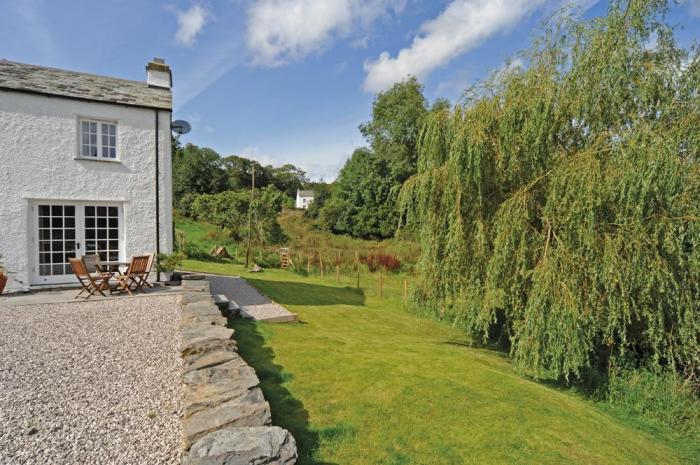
45 222
58 269
57 210
69 222
113 245
69 210
89 211
44 246
44 210
101 211
102 234
57 234
44 258
70 233
114 234
114 256
90 246
57 222
56 246
44 270
89 234
70 246
112 152
57 258
101 222
114 222
112 211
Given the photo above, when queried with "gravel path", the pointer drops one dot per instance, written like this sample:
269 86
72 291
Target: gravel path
90 382
253 303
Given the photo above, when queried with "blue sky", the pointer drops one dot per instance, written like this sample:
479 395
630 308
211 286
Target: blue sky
286 81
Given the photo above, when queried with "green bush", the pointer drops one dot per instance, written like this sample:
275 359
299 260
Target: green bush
166 262
660 396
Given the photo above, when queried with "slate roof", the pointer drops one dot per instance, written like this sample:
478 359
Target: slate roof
301 193
50 81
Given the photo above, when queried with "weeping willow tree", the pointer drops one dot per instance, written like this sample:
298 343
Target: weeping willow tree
558 206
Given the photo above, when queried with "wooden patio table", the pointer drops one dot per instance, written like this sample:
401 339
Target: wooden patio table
110 267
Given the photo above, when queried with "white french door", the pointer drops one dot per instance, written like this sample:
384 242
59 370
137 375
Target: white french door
63 230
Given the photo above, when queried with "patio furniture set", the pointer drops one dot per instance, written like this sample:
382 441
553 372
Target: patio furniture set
97 276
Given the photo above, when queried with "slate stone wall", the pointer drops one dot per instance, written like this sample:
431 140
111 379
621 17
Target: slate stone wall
226 419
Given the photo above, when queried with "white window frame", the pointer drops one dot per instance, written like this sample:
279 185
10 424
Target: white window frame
99 146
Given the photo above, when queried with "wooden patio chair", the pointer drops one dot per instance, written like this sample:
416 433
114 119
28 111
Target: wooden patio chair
132 280
92 262
143 281
92 282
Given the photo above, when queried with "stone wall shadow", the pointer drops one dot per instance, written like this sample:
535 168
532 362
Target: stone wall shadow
296 293
287 412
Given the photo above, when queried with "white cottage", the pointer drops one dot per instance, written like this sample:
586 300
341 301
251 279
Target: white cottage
85 167
304 199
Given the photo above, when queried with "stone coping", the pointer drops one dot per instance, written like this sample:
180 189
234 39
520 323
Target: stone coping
225 419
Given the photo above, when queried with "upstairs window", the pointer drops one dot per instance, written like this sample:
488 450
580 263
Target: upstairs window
98 139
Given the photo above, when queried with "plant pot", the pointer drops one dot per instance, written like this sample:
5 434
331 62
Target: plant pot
3 282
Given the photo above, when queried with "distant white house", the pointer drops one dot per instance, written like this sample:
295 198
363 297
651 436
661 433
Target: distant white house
304 199
85 167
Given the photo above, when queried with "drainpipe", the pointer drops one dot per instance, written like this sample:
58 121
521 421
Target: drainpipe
157 194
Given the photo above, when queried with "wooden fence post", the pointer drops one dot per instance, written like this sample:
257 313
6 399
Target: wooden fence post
405 292
381 284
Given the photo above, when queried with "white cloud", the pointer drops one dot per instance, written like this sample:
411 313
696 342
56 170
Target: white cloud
462 26
282 31
190 23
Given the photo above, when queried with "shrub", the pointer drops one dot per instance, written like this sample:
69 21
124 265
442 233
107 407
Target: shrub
169 262
380 260
660 396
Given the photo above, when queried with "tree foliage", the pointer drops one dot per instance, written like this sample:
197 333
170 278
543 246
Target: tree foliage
196 170
558 207
363 203
230 209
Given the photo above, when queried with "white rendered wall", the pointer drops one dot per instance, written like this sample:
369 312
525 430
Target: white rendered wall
38 149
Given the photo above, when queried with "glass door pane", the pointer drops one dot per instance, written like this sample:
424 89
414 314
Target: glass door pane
102 231
56 239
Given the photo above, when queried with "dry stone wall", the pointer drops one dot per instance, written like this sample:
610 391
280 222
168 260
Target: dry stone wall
226 419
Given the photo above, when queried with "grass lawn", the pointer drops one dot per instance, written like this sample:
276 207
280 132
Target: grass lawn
361 381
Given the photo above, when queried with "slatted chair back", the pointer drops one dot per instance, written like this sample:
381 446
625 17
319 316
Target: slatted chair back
133 279
138 265
149 267
90 283
79 268
92 262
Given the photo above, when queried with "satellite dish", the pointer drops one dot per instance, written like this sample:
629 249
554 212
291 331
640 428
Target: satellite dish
180 127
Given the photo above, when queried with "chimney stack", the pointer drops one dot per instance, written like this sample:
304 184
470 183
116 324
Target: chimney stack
158 74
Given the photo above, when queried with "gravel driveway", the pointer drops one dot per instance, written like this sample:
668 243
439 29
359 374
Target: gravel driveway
91 382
